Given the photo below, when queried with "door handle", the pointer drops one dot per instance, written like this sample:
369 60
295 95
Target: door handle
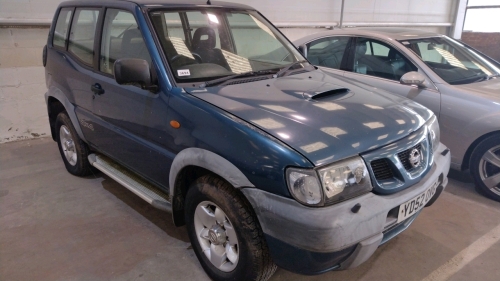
97 89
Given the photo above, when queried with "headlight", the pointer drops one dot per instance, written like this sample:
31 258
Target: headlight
345 179
434 134
337 182
304 186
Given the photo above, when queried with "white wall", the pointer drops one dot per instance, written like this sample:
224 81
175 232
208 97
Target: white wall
22 85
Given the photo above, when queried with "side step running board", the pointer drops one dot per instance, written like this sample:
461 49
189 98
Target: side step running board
148 192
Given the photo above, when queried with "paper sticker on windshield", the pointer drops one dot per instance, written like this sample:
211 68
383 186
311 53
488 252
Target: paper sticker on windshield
183 72
405 43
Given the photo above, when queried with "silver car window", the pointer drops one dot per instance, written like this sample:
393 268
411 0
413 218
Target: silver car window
451 60
327 52
375 58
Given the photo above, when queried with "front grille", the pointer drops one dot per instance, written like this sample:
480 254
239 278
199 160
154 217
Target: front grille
381 169
390 167
404 156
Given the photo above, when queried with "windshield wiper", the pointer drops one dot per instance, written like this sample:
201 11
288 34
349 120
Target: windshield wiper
286 68
486 77
493 76
244 74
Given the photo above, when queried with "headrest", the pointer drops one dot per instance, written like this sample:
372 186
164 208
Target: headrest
199 40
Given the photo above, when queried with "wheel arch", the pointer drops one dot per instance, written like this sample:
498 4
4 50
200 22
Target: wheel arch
474 144
54 107
190 164
56 103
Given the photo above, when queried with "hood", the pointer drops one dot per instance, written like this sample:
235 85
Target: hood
325 118
487 89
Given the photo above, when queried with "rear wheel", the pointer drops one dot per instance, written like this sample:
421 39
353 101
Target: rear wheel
485 167
74 151
225 233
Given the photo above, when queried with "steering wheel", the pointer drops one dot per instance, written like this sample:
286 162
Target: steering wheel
197 57
174 58
178 56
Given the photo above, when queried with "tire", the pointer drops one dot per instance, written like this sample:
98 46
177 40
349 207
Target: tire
74 151
485 167
212 196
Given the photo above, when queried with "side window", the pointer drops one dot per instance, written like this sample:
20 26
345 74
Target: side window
380 50
378 59
81 39
121 38
62 26
327 52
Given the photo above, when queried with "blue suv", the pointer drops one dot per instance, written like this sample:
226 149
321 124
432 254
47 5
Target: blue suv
207 111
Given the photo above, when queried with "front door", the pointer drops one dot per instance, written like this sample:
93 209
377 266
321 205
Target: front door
330 53
381 65
122 112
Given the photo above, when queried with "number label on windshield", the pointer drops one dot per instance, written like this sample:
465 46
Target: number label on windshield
183 72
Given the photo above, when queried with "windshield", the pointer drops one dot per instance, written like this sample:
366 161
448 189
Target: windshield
208 43
452 61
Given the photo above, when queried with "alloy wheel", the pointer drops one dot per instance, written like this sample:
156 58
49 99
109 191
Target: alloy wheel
68 145
216 236
489 169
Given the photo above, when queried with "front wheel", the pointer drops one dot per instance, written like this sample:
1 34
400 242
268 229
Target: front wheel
225 233
485 167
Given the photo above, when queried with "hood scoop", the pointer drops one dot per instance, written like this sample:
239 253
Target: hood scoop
339 93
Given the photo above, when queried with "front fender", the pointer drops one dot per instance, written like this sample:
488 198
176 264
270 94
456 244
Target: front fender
208 160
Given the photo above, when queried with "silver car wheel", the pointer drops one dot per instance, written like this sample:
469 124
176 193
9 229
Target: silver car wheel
216 236
68 145
489 169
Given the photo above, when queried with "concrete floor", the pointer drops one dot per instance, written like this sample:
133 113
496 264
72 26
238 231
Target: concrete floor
54 226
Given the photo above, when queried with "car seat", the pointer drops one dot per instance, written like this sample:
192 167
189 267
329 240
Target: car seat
203 44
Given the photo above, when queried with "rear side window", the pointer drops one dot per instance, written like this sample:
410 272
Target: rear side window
62 27
82 36
121 38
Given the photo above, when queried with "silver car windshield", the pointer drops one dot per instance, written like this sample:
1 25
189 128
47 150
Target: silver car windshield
452 61
208 43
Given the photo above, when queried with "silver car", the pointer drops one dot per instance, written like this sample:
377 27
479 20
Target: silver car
455 81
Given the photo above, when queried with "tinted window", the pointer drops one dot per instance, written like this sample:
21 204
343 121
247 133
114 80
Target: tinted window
81 39
121 38
62 26
327 52
378 59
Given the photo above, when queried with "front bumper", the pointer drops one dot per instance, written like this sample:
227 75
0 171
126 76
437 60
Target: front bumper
314 240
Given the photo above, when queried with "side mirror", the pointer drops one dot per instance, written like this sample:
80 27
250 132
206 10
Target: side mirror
303 50
413 78
134 72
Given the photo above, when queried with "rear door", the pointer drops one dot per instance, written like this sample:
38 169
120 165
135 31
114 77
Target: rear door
381 65
79 64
